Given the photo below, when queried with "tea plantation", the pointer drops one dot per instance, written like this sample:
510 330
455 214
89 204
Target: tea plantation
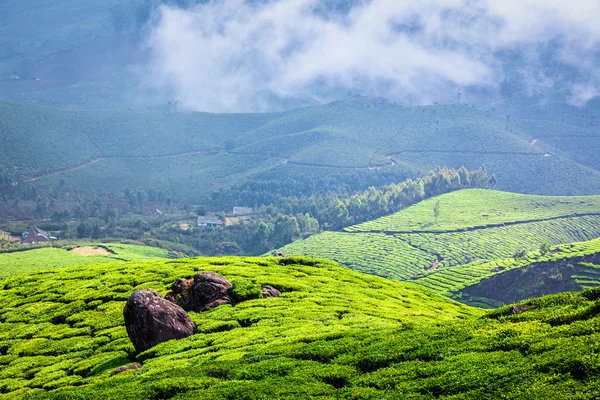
12 263
477 208
586 273
191 154
65 327
334 333
473 227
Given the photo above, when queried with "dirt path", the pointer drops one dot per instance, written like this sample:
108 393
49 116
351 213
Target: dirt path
434 266
91 251
68 169
471 153
286 160
98 159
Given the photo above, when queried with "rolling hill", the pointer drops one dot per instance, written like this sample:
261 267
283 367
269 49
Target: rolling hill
191 154
20 262
334 333
474 227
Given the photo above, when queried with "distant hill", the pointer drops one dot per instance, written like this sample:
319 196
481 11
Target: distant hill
473 227
333 333
191 154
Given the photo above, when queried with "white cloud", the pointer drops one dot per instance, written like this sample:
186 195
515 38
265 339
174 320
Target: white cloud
233 56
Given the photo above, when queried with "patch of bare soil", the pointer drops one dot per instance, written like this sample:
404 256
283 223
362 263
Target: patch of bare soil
433 266
91 251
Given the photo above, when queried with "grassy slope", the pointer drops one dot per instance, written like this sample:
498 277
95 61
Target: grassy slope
65 327
326 139
333 334
478 208
58 25
50 258
451 281
407 255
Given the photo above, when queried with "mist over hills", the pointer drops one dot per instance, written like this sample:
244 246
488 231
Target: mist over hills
135 54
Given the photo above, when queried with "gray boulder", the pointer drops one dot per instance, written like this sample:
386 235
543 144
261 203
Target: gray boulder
270 291
206 291
150 320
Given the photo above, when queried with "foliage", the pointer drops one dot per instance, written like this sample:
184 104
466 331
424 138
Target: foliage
483 226
571 272
54 257
334 333
65 328
481 208
182 154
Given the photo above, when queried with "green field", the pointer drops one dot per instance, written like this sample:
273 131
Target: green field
334 333
453 280
183 153
49 258
476 208
474 227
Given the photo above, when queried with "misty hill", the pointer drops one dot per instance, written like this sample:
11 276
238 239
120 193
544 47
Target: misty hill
190 154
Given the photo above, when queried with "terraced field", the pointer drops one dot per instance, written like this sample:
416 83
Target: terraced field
453 279
475 208
371 253
64 329
185 152
474 227
333 334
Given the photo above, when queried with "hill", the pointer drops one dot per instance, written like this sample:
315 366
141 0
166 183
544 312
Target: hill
474 226
564 268
188 155
19 262
333 333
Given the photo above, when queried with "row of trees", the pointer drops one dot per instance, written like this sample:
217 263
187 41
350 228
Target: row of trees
284 214
333 211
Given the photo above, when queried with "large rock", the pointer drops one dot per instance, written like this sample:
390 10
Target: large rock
270 291
207 290
150 320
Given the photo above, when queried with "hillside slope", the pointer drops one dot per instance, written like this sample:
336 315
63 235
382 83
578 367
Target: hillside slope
190 154
334 333
21 262
474 226
65 327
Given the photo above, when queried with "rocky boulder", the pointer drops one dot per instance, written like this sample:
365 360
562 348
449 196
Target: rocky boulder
207 290
150 319
270 291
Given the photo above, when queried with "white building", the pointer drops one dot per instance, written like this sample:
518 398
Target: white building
204 221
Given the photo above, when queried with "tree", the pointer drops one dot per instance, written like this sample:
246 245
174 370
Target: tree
436 211
83 230
201 211
545 248
228 248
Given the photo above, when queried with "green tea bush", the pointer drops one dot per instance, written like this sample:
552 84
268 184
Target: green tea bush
338 334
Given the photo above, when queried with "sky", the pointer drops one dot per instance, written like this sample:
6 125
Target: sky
240 56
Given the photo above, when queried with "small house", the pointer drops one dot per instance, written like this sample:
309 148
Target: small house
34 238
237 211
205 221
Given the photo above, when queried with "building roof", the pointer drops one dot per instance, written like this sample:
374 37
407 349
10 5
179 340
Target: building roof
208 220
35 238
